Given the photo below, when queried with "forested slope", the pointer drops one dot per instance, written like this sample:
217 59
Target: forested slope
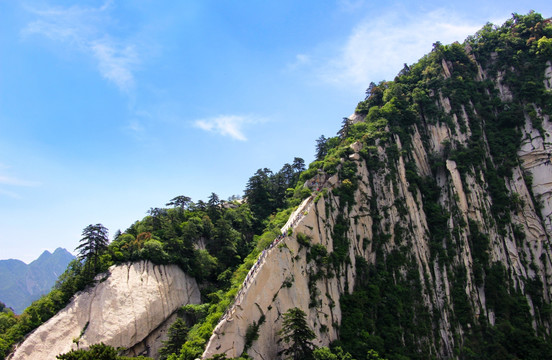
430 235
424 230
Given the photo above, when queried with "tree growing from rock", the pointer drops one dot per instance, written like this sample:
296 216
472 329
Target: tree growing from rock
93 243
297 333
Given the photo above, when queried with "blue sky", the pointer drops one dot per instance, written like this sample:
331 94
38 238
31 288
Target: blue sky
108 108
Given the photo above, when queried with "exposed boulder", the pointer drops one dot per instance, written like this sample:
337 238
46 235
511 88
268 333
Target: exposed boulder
129 303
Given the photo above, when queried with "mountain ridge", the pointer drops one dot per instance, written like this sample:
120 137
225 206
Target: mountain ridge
23 283
421 231
436 227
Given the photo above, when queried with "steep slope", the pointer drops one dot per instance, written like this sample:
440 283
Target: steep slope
130 307
430 236
22 283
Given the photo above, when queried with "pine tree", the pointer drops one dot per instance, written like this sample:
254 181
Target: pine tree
296 332
177 337
321 147
93 244
345 126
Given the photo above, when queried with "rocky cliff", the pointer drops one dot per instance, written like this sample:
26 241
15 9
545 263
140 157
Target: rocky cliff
130 307
437 206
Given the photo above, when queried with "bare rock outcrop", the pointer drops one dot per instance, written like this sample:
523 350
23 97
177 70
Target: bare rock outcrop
129 308
390 217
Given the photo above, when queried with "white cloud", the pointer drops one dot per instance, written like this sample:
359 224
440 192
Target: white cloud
115 62
85 28
377 48
225 125
7 180
14 182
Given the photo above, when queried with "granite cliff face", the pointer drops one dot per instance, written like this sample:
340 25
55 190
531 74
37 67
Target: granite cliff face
131 307
427 233
437 206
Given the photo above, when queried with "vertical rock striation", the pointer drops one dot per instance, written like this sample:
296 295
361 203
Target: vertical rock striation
129 307
449 207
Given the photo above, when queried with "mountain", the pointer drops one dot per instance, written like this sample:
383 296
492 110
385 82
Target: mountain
22 283
422 231
431 234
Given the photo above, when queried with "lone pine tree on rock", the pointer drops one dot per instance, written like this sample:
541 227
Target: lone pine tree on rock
93 243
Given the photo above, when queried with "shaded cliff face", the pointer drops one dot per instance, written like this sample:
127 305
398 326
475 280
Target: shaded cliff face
131 307
431 233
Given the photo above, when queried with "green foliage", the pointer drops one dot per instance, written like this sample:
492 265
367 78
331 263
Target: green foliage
303 240
544 46
201 331
479 245
13 329
153 250
176 338
252 333
97 352
93 244
297 334
340 241
223 357
385 313
337 353
169 236
512 336
319 254
266 192
373 355
217 242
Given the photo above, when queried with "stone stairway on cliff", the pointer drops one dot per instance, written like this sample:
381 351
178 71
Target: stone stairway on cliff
293 220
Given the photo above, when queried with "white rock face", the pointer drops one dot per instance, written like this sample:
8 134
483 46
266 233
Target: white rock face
548 75
536 156
131 303
280 283
385 201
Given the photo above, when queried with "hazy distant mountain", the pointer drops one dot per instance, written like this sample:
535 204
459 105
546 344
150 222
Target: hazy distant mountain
21 284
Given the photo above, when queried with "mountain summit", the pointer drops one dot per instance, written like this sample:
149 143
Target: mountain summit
22 284
421 231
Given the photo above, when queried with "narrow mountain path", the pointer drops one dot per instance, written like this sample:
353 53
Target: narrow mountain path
292 222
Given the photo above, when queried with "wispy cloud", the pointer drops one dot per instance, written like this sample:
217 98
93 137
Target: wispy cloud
136 129
226 125
115 62
377 48
85 29
300 61
8 181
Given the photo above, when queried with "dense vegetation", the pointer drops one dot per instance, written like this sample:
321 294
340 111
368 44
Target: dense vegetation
386 310
208 240
218 241
97 352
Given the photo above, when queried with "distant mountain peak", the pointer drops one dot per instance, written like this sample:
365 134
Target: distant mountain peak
23 283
